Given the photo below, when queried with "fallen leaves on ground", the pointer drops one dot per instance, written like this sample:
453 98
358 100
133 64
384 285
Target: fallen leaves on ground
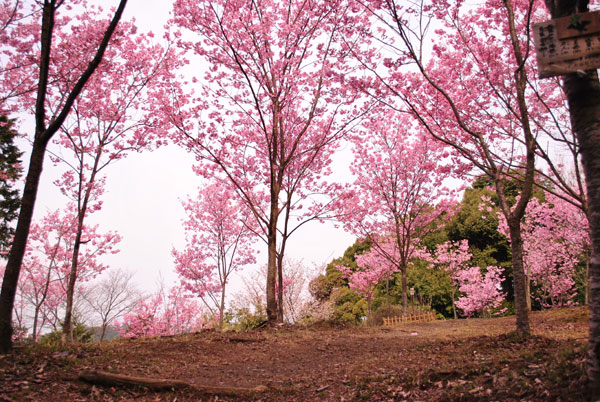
477 359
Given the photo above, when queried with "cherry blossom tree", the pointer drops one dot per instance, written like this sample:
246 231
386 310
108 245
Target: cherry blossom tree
218 241
46 264
477 92
399 194
555 240
482 292
452 258
41 75
162 314
114 115
273 108
373 268
295 291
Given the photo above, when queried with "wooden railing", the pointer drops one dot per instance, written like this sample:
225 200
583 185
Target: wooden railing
419 317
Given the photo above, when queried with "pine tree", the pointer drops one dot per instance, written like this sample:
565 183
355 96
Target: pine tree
10 172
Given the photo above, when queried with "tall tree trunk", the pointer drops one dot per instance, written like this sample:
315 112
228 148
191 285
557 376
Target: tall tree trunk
17 251
280 285
404 292
222 306
516 246
583 96
272 267
528 288
42 136
67 335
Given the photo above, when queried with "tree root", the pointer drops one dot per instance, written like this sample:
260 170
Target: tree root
163 384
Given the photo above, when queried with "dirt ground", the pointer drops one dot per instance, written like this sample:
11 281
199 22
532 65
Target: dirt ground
477 359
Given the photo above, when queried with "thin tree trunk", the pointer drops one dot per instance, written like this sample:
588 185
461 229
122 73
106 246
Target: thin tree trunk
81 211
67 335
528 288
404 295
453 303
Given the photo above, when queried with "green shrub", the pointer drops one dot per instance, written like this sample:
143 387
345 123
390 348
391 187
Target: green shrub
81 334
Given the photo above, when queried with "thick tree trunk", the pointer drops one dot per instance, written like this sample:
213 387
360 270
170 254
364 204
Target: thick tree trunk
583 96
41 139
272 274
17 251
516 246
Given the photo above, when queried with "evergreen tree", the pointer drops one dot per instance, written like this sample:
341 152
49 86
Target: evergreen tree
10 171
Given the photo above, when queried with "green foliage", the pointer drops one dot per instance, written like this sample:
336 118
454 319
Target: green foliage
322 286
10 171
244 319
382 311
349 308
480 228
433 287
81 334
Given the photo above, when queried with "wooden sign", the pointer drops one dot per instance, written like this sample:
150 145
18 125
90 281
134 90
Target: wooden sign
569 44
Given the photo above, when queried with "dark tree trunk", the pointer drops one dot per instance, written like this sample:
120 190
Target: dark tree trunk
43 135
67 324
516 246
583 93
583 96
13 266
272 273
404 290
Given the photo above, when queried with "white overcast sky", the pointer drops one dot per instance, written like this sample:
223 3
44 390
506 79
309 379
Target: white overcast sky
143 192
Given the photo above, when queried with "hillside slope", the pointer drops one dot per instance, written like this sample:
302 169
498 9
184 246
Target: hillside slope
477 359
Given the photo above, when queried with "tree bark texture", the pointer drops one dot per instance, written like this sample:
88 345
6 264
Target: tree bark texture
17 251
516 246
42 136
583 96
583 93
272 274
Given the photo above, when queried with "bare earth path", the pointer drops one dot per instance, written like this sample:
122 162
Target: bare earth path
445 360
